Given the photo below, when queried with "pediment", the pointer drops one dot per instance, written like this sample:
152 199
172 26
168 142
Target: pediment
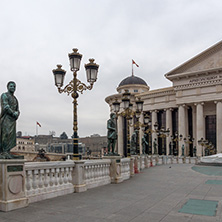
207 60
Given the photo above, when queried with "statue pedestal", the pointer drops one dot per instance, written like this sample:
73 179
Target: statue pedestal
12 185
136 163
115 168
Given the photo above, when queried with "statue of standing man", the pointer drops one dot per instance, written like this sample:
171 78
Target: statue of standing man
112 134
9 115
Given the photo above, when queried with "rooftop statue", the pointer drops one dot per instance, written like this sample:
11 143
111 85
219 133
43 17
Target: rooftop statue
9 115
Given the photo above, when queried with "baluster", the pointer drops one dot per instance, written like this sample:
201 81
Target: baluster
106 169
90 173
86 174
34 181
61 176
52 178
66 173
56 177
70 175
40 184
96 172
103 171
93 174
99 172
29 182
46 180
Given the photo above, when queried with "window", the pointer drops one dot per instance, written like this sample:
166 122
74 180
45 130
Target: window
135 90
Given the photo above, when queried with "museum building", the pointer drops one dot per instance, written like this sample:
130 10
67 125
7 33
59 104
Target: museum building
191 109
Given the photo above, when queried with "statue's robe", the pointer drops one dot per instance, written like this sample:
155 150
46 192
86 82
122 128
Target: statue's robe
9 105
111 126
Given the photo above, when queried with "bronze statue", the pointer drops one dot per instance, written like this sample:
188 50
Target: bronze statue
111 134
9 115
182 148
144 143
194 151
155 146
133 142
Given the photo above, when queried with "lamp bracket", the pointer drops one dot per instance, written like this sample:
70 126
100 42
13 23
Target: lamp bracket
75 87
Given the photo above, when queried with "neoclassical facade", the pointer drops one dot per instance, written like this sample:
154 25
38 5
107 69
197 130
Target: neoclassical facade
191 109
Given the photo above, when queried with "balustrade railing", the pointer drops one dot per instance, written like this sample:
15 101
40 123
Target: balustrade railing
48 179
125 168
97 173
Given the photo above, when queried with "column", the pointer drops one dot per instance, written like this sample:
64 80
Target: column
169 124
199 126
194 124
141 133
154 135
219 126
181 127
119 148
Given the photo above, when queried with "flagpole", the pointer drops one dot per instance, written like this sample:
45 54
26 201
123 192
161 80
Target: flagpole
36 129
132 69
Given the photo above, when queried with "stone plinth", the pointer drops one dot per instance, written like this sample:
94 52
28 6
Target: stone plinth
132 172
12 185
79 176
136 163
115 168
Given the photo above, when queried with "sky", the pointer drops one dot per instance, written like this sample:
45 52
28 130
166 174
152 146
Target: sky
37 35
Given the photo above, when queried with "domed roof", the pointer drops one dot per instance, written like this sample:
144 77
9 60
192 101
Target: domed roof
131 80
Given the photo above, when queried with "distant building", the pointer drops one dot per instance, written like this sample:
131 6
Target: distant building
95 143
25 144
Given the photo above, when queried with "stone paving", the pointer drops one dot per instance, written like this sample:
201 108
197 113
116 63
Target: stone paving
156 194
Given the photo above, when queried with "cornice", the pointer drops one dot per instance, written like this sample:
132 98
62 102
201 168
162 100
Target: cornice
158 92
198 84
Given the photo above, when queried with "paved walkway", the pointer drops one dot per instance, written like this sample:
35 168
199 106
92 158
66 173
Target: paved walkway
156 194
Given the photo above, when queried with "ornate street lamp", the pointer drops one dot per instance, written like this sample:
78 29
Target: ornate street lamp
116 106
176 139
129 114
162 133
148 131
187 141
203 143
74 87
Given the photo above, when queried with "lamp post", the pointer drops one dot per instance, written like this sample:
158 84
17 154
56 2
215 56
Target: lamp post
148 131
128 113
75 86
187 141
208 148
171 145
202 142
162 133
176 139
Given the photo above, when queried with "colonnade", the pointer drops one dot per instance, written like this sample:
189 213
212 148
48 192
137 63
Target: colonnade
198 127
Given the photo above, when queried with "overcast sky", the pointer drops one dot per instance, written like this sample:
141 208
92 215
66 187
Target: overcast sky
38 34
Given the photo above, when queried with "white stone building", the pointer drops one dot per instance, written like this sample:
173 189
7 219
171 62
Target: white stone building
192 107
24 144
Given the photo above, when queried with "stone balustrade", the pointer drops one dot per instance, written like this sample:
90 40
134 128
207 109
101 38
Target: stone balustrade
44 180
48 179
125 168
97 173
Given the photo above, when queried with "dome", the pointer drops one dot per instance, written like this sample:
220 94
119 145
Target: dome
132 80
